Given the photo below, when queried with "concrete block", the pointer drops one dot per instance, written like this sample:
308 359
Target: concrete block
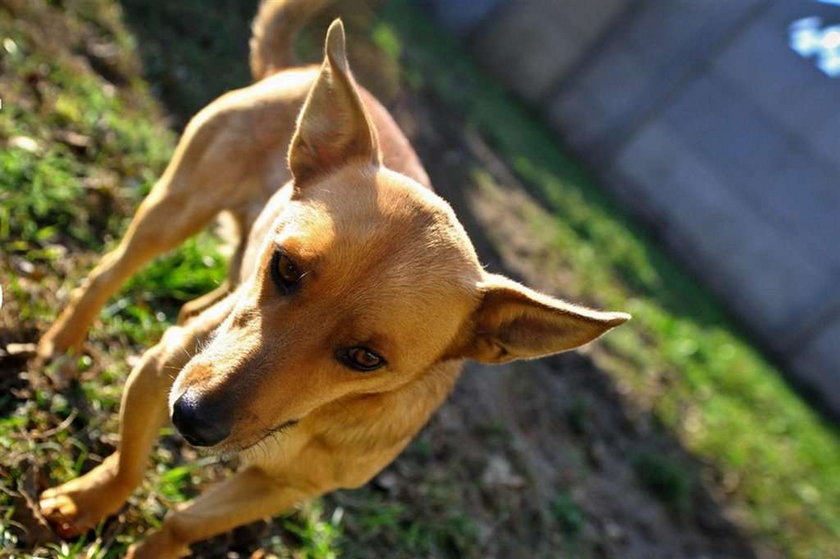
545 46
758 269
639 66
788 87
776 174
590 18
461 16
531 44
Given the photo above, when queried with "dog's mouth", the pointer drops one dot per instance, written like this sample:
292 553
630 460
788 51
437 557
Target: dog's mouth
271 433
232 448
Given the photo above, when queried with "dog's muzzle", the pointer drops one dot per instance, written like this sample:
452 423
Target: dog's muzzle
201 421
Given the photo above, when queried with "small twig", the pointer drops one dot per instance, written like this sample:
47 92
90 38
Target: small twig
57 429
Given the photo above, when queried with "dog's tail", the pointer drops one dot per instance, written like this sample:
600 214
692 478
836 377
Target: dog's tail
274 31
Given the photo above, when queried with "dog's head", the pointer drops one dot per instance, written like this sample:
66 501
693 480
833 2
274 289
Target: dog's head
365 281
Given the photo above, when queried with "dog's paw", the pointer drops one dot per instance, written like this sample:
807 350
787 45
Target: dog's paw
53 344
64 515
57 370
157 546
80 504
57 354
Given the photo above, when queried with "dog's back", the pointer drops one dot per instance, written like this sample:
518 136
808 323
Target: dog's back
231 158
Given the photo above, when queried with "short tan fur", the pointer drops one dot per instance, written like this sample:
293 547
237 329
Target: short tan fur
353 299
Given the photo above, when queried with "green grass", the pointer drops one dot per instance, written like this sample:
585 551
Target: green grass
724 401
377 518
568 515
664 477
79 153
55 197
186 73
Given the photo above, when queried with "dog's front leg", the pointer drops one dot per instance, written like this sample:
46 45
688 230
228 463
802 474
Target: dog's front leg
249 495
80 504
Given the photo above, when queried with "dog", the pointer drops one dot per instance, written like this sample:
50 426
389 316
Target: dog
353 299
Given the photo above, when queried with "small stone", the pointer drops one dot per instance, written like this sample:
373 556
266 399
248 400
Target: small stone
22 350
499 472
25 143
387 481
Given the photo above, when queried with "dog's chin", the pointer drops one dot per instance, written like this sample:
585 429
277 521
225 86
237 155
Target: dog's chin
232 447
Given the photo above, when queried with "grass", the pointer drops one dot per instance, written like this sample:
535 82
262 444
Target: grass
84 139
664 477
724 401
568 514
79 153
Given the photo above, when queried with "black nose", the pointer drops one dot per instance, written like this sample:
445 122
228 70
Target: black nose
200 421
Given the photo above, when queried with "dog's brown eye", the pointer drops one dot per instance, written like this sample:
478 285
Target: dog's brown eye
284 272
360 358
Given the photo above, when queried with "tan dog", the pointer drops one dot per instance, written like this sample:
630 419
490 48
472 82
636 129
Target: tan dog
354 298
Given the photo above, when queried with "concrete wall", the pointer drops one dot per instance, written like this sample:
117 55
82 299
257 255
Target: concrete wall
700 116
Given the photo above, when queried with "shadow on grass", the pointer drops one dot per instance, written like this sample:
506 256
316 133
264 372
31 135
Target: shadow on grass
192 50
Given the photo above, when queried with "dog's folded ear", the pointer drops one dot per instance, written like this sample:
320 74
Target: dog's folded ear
514 322
333 126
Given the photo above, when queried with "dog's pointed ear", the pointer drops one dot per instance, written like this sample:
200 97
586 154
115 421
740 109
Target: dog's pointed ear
514 322
333 126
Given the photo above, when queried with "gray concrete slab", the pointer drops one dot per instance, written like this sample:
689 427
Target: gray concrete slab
530 45
461 16
648 57
772 171
590 18
788 87
720 235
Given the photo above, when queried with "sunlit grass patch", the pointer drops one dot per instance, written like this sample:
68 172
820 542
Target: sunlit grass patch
78 154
